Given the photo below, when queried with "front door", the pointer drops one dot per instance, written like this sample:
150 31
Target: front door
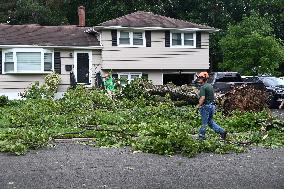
83 68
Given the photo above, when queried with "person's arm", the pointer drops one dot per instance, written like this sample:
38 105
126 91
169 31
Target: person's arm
202 97
282 104
201 101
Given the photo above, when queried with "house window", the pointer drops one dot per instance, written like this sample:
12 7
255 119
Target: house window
137 38
9 63
131 38
126 78
28 61
124 38
176 39
183 40
188 39
47 61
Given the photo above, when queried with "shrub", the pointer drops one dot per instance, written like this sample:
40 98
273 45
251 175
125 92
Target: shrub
3 100
46 90
52 81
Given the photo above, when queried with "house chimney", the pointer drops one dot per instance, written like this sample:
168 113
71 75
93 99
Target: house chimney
81 14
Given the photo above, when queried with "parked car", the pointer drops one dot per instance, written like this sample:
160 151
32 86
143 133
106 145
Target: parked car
224 81
274 85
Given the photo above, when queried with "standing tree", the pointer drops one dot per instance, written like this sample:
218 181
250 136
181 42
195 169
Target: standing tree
43 12
251 48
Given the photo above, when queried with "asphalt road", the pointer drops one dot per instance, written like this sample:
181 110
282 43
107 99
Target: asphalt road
80 166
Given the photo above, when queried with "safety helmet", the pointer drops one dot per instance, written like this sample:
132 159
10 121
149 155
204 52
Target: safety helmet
203 75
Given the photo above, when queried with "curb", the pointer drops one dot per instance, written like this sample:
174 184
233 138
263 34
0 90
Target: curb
72 140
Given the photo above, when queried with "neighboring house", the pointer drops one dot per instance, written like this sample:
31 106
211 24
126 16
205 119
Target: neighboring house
139 44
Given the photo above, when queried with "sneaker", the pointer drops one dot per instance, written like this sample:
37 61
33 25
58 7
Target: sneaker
224 135
201 138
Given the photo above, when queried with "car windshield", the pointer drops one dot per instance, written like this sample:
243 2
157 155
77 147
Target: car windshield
272 81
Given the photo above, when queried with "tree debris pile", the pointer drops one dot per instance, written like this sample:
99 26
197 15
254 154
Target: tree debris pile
185 93
243 98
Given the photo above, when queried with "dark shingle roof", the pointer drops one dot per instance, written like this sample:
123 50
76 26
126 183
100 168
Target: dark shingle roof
46 35
148 19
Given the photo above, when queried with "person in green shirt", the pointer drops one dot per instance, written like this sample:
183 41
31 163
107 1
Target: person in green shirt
207 108
109 84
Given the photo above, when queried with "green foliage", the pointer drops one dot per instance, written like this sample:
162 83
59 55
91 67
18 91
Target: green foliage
101 100
35 91
136 90
3 100
46 90
52 81
239 121
76 100
162 129
37 12
250 48
18 141
33 112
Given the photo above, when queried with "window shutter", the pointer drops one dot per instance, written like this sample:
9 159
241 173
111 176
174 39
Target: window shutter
167 38
198 39
57 62
144 76
148 38
114 37
0 62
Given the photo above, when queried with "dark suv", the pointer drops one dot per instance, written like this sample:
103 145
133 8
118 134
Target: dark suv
274 85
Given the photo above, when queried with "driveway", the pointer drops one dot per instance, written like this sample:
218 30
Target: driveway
78 166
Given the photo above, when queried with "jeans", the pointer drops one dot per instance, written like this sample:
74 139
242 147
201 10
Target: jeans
207 111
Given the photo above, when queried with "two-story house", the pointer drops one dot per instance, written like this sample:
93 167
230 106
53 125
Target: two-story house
161 48
139 44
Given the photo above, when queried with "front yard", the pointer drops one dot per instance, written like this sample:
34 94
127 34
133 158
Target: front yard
141 122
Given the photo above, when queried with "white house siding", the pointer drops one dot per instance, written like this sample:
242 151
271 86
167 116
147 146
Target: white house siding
155 77
156 57
96 64
13 84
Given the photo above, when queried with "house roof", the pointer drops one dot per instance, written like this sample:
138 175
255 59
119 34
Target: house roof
149 19
37 35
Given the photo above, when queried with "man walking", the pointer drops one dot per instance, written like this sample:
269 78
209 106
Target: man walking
207 108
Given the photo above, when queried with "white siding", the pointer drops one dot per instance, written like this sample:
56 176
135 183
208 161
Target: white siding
13 84
155 57
156 77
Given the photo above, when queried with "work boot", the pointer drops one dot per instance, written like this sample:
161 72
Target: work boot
224 135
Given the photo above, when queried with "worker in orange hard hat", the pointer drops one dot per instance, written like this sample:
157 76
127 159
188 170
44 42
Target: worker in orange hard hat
206 107
203 75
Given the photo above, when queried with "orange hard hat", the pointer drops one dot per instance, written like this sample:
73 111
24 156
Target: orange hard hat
203 75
